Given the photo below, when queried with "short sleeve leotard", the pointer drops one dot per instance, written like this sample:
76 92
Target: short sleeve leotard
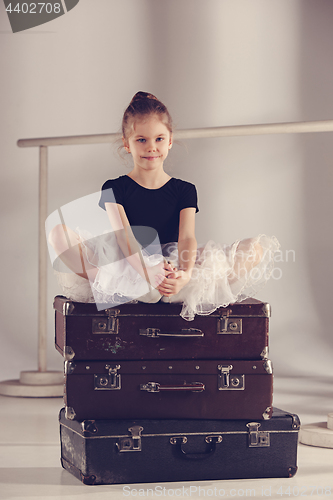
118 282
156 208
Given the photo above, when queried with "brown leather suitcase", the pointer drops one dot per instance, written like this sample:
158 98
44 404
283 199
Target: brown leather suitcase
156 331
177 389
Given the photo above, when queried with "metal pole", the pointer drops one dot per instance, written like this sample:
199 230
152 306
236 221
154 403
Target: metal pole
42 261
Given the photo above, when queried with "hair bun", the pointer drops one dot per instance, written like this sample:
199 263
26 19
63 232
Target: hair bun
144 104
143 95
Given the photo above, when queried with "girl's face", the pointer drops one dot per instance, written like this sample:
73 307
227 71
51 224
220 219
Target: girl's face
149 142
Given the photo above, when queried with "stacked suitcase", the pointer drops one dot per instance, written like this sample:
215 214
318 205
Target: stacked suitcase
150 397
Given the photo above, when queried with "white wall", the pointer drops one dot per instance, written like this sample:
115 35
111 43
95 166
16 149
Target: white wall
213 62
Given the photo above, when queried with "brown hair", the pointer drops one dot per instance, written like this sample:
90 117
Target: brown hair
144 104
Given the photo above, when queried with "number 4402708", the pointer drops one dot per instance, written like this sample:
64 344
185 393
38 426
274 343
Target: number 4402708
35 8
304 491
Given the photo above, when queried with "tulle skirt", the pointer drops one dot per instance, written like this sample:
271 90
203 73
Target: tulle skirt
222 274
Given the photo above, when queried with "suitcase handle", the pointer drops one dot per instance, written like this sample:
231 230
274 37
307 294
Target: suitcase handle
211 441
184 333
156 387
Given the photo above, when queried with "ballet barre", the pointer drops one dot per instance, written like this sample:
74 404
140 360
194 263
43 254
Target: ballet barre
194 133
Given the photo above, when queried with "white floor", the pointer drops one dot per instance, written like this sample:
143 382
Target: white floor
30 454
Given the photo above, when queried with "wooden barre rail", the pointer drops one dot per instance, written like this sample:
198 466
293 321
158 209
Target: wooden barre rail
194 133
199 133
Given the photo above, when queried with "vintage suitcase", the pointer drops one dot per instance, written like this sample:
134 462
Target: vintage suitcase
155 451
197 389
156 331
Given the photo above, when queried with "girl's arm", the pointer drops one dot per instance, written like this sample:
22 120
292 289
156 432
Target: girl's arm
187 251
129 246
187 243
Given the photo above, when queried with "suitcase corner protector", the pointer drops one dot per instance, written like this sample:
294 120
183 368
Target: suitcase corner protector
70 413
292 471
267 413
266 309
67 308
68 353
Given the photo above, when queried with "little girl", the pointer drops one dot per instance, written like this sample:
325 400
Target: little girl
133 262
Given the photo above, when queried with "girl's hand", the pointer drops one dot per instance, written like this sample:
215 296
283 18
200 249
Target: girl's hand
173 281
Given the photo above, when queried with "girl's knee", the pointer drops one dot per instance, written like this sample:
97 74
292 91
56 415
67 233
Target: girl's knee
60 236
55 234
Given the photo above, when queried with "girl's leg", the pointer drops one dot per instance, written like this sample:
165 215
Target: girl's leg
67 245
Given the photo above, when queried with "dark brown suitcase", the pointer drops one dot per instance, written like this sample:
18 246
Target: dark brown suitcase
156 331
156 451
177 389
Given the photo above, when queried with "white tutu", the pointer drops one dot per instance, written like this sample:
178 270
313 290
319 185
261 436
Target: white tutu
221 274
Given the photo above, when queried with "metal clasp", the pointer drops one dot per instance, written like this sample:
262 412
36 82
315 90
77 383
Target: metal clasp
229 382
229 326
107 325
109 382
133 442
257 439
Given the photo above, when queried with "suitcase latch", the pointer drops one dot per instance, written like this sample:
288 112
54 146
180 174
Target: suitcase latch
230 382
109 382
229 326
107 325
133 442
257 439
